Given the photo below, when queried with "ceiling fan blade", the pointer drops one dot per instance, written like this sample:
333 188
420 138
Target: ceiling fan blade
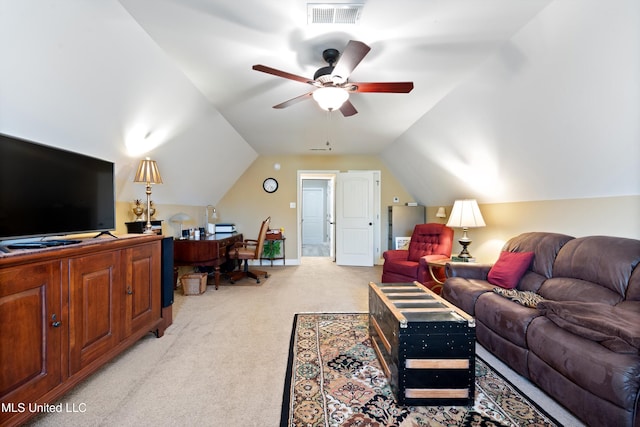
292 101
350 58
347 109
280 73
387 87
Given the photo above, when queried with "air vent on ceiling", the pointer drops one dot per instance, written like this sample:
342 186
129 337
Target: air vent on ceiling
333 13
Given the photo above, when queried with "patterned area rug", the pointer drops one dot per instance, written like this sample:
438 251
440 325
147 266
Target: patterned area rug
334 379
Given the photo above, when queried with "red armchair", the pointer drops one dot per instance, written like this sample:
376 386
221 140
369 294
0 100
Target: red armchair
428 242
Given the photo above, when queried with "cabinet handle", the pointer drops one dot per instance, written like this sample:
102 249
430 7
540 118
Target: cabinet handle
55 323
129 291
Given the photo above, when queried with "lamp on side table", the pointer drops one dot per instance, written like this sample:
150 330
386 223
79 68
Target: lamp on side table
148 173
465 214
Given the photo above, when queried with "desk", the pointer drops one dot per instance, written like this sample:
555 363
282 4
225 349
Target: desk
209 251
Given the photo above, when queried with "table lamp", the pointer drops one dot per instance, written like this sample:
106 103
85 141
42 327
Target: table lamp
149 174
465 214
210 228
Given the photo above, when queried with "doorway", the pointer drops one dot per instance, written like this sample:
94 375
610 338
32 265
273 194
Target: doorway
316 214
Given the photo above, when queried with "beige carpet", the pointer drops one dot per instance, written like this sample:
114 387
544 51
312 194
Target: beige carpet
223 361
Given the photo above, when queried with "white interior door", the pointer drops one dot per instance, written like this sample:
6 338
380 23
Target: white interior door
313 216
355 219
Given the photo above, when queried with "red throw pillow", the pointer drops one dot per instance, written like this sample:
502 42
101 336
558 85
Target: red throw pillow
509 269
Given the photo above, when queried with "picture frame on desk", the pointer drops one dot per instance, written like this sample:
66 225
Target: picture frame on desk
402 243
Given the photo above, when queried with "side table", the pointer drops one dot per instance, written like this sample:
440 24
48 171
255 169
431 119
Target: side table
274 248
442 263
437 263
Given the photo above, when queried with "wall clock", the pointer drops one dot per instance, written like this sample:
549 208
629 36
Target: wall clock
270 185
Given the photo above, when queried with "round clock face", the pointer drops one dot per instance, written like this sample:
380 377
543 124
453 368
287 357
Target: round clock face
270 185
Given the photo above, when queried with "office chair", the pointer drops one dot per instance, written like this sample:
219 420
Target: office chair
247 250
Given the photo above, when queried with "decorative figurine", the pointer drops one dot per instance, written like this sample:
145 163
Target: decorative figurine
138 210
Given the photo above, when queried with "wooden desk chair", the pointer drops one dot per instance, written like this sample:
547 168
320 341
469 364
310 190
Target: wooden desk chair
246 250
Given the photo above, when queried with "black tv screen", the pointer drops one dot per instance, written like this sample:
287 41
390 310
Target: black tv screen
47 191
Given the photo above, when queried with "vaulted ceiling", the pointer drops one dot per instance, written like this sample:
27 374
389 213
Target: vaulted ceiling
435 44
513 99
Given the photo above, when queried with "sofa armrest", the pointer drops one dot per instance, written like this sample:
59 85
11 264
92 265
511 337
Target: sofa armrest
395 254
468 270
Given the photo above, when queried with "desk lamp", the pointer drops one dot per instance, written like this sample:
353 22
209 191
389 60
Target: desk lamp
180 218
149 174
210 228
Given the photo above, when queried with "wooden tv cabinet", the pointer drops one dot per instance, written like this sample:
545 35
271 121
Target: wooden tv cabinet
65 312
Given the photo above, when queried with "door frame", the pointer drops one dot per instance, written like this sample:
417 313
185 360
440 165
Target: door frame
333 175
330 175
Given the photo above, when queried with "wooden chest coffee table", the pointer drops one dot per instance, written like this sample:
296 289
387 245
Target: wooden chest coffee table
425 345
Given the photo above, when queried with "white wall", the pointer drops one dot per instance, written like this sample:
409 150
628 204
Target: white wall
83 75
554 115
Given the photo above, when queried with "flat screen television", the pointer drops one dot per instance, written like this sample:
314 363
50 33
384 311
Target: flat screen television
47 191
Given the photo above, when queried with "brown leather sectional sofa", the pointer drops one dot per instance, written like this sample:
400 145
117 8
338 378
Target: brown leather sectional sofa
580 344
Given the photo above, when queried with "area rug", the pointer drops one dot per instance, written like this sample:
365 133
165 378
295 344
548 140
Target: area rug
334 379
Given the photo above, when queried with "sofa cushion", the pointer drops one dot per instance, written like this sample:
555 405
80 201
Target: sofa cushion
544 245
633 290
463 293
612 376
603 260
509 269
504 317
570 289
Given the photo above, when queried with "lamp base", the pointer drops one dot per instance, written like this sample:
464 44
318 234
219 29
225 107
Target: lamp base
464 254
464 241
147 229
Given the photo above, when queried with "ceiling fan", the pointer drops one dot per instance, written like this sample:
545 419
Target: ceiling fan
332 81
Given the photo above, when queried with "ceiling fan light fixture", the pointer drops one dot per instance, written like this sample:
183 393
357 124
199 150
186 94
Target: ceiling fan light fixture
330 98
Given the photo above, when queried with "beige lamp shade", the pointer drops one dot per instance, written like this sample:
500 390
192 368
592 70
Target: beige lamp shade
465 214
148 172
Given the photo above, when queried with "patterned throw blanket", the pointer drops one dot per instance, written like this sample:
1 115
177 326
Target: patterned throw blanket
526 298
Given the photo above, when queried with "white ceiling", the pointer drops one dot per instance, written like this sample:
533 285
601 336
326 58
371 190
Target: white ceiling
514 100
436 44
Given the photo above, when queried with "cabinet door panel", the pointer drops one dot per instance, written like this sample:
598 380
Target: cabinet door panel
30 362
143 287
94 309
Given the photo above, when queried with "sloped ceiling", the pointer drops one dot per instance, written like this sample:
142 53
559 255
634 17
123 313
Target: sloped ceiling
529 98
435 44
554 114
